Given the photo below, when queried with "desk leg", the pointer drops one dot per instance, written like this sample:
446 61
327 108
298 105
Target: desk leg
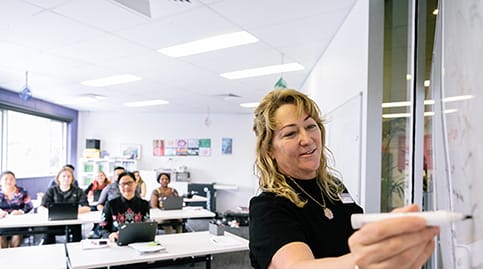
66 233
208 261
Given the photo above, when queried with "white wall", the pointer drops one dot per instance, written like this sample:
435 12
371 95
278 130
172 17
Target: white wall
114 129
340 74
336 84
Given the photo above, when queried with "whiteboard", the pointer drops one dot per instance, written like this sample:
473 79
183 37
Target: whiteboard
343 129
458 130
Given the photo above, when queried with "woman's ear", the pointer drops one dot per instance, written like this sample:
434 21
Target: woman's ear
270 154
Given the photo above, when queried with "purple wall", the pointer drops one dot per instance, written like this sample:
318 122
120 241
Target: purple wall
11 100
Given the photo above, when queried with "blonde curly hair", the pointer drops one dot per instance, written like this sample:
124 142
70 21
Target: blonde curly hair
270 177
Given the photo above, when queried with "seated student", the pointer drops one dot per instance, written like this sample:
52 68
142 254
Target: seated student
140 185
52 182
157 197
14 200
93 191
111 191
127 208
65 192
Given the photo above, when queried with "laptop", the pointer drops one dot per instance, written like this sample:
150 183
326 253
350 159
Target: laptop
63 211
137 232
172 203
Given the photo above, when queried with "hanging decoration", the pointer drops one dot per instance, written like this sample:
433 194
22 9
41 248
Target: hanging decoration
26 93
281 83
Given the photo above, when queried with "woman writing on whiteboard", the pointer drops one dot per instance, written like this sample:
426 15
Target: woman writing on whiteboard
302 217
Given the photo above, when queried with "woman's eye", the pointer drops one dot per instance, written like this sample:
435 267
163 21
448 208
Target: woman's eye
311 126
289 134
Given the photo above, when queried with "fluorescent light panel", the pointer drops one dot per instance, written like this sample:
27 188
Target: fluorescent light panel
112 80
77 100
146 103
428 102
262 71
457 98
249 105
406 115
209 44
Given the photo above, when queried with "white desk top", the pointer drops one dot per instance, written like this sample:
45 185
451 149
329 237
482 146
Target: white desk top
195 198
177 246
187 212
46 256
41 219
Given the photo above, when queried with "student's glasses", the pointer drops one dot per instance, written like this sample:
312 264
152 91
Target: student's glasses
124 184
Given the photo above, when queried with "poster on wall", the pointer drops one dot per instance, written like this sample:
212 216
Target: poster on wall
193 147
185 147
181 147
170 147
226 145
131 151
205 147
158 147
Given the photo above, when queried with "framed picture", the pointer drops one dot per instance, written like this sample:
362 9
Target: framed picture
226 145
131 151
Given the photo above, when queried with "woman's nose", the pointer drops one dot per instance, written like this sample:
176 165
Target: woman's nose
304 137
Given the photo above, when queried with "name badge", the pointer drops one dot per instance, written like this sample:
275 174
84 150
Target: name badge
346 198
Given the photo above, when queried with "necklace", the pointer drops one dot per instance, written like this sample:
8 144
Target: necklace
327 212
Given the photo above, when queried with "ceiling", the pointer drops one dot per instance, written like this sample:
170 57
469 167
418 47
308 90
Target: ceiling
64 42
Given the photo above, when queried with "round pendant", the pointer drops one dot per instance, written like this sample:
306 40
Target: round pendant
328 213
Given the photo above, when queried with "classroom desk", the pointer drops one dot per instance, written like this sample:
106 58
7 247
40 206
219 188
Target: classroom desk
195 199
178 247
47 256
29 224
41 219
187 212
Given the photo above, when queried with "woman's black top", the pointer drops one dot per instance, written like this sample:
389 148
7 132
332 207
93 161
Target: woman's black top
119 211
56 195
275 222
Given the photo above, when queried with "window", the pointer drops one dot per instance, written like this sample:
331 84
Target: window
34 146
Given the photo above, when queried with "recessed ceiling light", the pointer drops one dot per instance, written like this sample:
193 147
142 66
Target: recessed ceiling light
261 71
406 115
428 101
457 98
396 104
146 103
81 99
250 105
209 44
112 80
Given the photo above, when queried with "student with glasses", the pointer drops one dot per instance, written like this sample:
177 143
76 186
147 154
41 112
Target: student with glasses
126 208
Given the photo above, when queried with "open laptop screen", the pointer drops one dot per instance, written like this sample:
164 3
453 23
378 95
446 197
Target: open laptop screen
63 211
172 203
137 232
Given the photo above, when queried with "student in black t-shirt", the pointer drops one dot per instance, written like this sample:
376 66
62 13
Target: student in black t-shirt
302 217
